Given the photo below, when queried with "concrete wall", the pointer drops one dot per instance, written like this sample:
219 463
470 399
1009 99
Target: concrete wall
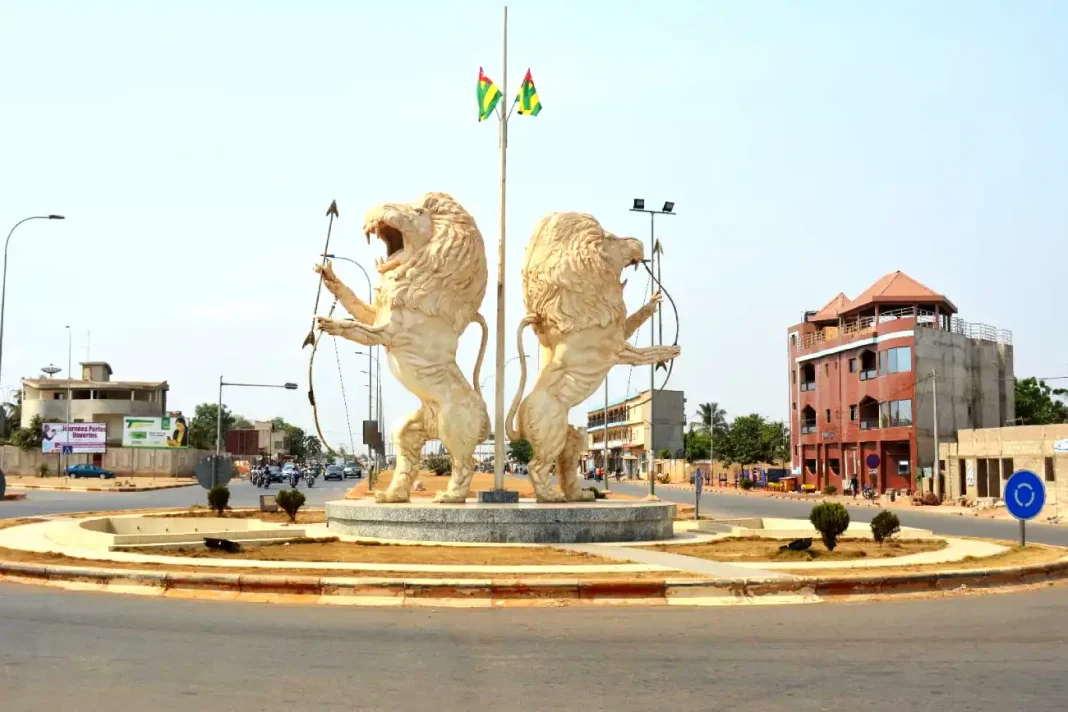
975 387
121 461
110 411
997 453
669 420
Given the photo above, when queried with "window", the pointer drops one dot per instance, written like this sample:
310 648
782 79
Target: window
810 465
808 377
828 415
853 412
826 369
895 414
867 365
1050 477
852 365
793 376
836 469
808 420
897 360
903 467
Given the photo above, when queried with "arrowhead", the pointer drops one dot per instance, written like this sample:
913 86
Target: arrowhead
332 210
661 365
309 339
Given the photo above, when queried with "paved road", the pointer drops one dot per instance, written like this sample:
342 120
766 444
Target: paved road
90 651
242 494
734 505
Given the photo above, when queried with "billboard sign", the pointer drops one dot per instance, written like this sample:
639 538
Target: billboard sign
166 432
73 438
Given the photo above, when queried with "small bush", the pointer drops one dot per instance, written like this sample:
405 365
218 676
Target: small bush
830 489
42 470
830 520
438 464
290 500
746 484
219 498
931 499
884 525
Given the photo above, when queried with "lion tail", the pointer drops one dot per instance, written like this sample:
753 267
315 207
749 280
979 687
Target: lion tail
509 421
481 351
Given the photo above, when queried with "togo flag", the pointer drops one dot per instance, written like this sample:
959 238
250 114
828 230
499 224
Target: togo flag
528 97
488 96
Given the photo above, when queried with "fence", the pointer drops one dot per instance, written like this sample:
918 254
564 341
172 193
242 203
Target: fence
122 461
866 324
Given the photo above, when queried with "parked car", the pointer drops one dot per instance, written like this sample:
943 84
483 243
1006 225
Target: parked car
352 470
334 472
87 470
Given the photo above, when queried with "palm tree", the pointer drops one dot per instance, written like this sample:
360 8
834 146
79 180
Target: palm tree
711 415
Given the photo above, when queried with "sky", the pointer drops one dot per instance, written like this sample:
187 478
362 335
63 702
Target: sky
810 148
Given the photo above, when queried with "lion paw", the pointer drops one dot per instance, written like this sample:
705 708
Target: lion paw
392 497
332 326
550 498
448 498
581 496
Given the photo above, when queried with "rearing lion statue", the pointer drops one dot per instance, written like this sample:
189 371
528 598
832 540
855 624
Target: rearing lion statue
574 303
431 286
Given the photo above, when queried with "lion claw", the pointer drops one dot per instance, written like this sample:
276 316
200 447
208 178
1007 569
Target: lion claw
391 497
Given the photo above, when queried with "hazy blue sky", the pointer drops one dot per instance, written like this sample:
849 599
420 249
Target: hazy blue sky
810 148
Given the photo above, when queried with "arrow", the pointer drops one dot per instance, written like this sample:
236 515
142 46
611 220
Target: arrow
332 213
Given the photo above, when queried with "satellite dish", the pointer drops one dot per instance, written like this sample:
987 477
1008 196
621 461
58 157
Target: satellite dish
51 370
220 464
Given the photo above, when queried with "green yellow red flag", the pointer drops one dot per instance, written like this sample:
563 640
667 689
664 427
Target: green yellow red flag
488 96
528 97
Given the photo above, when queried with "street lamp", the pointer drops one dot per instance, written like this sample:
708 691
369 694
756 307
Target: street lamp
668 209
375 393
218 416
3 286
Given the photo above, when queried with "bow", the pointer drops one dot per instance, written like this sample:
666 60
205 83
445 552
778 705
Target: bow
311 338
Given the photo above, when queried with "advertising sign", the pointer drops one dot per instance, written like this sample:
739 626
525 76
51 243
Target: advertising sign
74 438
165 432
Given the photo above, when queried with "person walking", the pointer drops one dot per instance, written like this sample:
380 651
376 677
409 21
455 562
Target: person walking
854 484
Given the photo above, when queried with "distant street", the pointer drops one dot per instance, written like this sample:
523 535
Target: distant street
91 651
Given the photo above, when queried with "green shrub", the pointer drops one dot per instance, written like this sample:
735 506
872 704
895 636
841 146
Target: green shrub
830 489
830 520
290 500
884 525
219 498
42 470
746 484
438 464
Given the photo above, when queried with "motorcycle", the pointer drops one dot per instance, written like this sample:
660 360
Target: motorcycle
293 478
309 479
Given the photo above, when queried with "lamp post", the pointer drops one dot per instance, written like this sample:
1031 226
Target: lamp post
66 433
377 391
3 286
218 418
668 209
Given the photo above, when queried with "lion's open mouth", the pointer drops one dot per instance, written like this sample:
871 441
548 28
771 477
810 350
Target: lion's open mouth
394 241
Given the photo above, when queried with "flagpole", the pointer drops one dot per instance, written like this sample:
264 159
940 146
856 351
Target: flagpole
498 428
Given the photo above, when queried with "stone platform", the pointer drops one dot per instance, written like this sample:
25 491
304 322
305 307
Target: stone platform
526 522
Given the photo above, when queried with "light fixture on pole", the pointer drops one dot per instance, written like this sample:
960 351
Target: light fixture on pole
218 417
669 209
3 287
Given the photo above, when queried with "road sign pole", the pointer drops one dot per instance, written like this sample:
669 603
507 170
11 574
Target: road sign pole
1023 533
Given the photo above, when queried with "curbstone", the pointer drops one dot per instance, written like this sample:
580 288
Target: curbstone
300 585
190 580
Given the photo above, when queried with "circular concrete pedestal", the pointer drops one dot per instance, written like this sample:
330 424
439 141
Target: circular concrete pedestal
525 522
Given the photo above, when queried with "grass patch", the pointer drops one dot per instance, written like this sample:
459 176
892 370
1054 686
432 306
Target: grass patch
760 549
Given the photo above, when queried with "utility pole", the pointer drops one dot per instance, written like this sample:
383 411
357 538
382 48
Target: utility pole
498 400
652 368
605 428
68 447
937 486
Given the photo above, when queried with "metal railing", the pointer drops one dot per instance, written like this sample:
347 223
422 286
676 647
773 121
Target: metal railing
866 324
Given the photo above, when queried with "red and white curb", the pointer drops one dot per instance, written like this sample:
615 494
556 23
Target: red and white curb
504 592
60 488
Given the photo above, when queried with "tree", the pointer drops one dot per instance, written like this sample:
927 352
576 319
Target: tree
242 423
696 444
776 436
712 416
27 439
297 441
12 415
203 426
747 444
1038 404
520 451
312 447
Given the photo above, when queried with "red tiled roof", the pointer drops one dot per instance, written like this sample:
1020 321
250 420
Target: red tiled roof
899 288
833 308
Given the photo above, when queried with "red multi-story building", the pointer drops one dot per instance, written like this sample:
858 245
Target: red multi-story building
862 378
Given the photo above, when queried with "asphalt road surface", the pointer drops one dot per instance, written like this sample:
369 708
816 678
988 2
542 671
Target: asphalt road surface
91 651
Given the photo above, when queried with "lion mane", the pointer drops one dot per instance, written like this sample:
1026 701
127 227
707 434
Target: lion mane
455 256
570 279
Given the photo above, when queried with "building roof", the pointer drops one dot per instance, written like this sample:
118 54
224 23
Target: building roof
61 383
833 308
105 364
898 288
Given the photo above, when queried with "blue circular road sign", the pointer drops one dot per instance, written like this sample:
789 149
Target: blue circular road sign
872 461
1025 495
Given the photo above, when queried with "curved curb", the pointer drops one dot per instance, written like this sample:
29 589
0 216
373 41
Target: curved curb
499 592
60 488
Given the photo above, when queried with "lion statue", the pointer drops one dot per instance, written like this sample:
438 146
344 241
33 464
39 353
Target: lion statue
574 302
431 285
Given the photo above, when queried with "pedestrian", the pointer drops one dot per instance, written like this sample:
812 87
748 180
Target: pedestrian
854 484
